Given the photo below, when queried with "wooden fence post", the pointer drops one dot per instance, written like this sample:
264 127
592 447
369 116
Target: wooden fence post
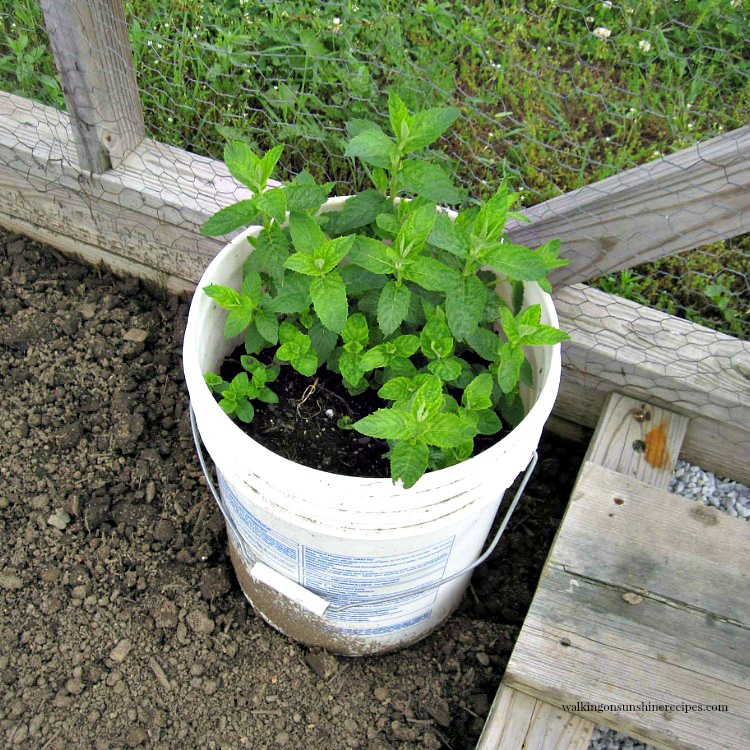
89 40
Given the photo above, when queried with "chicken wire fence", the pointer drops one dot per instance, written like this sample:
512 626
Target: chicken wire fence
555 96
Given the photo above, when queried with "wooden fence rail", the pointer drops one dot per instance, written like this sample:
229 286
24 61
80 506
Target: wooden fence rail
88 182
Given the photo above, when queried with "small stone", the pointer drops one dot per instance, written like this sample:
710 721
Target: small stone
88 311
74 686
150 492
136 736
136 335
164 613
200 622
483 659
59 519
20 734
164 530
322 663
10 581
120 652
210 687
438 710
214 583
281 739
632 598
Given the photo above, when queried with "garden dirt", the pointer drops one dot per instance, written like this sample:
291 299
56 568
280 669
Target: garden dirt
122 624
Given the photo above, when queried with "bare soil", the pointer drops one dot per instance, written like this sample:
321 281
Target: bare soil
121 621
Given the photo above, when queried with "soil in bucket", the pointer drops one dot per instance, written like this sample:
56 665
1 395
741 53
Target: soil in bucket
303 426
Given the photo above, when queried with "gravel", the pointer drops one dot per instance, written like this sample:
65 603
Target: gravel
699 486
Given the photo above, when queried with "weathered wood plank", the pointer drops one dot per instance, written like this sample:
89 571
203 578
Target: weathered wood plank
638 440
681 201
625 533
618 345
518 721
89 41
582 643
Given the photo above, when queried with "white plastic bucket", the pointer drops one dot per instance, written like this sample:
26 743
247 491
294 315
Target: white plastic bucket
301 538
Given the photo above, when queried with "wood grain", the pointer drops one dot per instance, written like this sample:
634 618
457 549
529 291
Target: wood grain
89 41
519 721
638 440
678 202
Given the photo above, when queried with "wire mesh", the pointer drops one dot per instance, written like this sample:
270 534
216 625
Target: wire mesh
555 96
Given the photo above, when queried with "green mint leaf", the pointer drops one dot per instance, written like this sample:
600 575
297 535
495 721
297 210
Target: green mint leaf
293 296
306 232
359 211
213 381
399 117
350 369
490 220
359 280
485 343
356 330
393 304
405 346
413 233
435 338
464 305
526 374
447 235
251 286
303 263
386 424
512 409
306 364
375 357
478 394
371 255
432 275
228 406
268 163
372 147
448 431
399 367
544 336
428 126
357 126
270 251
303 195
509 367
240 214
428 399
329 300
223 296
254 342
408 462
272 203
322 341
388 223
239 318
244 165
397 389
446 369
549 252
531 316
510 326
514 261
291 335
488 423
244 411
268 326
249 363
430 181
517 296
332 252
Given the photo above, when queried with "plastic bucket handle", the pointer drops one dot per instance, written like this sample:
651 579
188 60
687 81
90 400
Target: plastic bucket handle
309 599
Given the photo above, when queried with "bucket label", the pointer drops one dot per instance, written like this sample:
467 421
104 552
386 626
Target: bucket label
274 549
347 579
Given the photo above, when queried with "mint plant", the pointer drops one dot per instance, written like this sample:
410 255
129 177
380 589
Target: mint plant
391 292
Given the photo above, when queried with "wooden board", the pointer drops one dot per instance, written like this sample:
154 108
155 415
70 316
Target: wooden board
618 345
638 440
519 721
683 200
89 41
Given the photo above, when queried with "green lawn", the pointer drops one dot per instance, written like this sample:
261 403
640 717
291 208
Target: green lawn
549 97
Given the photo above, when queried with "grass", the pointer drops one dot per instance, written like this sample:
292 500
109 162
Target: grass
547 99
